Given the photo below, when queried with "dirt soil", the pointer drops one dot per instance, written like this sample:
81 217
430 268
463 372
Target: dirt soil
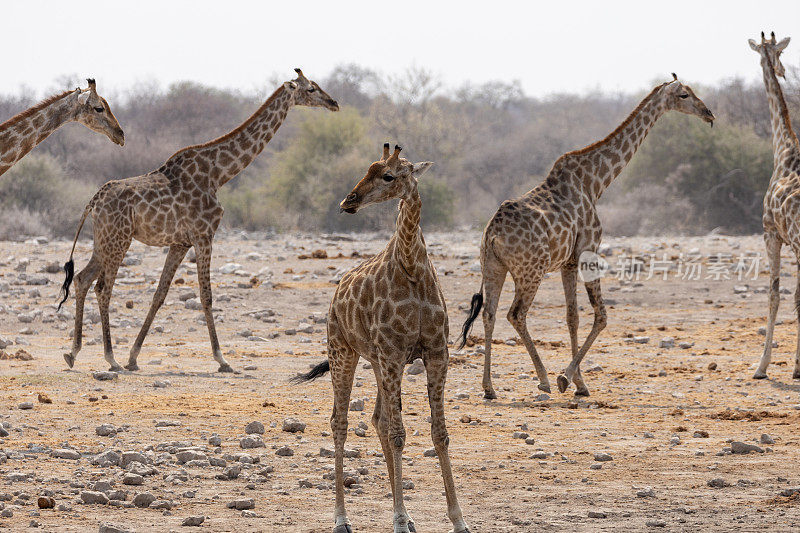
666 416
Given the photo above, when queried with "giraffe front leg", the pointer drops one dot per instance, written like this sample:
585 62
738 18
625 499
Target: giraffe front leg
524 293
773 245
173 261
569 279
103 291
436 370
572 371
343 368
203 253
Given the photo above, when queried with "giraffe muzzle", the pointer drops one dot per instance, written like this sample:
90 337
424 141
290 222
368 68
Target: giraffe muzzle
349 204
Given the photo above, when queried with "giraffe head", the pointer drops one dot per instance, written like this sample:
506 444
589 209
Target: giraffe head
308 93
770 52
94 112
390 177
681 98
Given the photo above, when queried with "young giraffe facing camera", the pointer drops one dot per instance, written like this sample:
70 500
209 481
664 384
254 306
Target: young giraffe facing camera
549 227
390 310
781 217
21 133
175 206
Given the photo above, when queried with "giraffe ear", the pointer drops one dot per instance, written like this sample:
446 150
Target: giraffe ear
83 97
421 168
753 44
783 44
290 85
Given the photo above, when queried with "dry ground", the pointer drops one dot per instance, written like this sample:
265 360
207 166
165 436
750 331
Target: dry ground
642 398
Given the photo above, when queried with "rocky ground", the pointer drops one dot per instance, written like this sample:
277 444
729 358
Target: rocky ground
676 435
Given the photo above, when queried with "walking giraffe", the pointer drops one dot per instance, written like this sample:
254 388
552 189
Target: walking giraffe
390 310
781 217
21 133
549 227
175 206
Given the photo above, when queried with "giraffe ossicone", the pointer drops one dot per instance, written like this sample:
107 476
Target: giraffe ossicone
390 310
551 226
21 133
175 206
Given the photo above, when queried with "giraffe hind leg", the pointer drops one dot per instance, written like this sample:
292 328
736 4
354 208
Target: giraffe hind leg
83 281
524 293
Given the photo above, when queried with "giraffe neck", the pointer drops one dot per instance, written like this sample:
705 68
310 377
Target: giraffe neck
782 133
19 135
224 158
410 245
603 161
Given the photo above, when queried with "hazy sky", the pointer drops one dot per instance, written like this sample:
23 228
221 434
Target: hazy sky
555 46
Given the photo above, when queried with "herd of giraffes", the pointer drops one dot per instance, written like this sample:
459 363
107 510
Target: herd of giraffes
390 309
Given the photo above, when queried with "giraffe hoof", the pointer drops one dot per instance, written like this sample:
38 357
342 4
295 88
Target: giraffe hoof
115 368
70 359
563 383
344 528
411 527
760 374
132 367
544 387
489 395
465 530
225 368
796 374
582 392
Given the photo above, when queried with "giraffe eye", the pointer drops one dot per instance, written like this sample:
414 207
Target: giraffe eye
387 177
99 109
683 96
311 90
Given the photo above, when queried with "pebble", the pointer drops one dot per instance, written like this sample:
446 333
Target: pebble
143 499
415 368
193 520
357 405
105 375
717 483
132 479
284 451
184 456
655 523
45 502
65 453
597 514
602 457
293 425
743 447
25 406
767 439
667 342
114 528
92 497
646 492
251 441
239 505
104 430
161 504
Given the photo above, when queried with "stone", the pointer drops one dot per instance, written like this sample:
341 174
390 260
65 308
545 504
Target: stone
255 427
284 451
767 439
94 497
717 483
108 527
293 425
65 453
193 520
667 342
602 457
161 504
416 367
646 492
215 440
130 457
105 430
25 406
357 405
241 504
597 514
251 441
143 499
132 479
105 375
430 452
107 458
743 447
184 456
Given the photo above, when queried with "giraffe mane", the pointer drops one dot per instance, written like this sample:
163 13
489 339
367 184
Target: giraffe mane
783 108
33 110
235 131
619 128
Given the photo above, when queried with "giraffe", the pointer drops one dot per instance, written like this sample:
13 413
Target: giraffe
549 227
782 199
21 133
175 206
390 310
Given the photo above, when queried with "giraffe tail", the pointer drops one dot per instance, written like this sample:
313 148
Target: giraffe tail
318 371
69 266
474 309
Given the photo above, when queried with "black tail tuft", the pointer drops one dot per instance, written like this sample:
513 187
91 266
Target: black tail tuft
318 371
474 309
69 270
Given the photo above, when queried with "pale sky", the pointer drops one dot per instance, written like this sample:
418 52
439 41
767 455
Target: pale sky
555 46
